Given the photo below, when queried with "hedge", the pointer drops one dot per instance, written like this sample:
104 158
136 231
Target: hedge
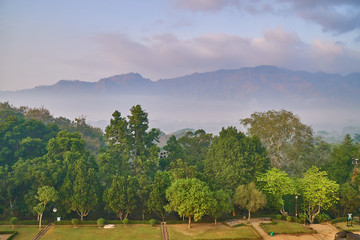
13 234
337 220
25 222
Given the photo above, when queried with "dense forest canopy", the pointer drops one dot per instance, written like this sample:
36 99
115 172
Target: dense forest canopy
120 173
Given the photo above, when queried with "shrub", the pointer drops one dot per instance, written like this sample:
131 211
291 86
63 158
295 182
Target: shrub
337 220
75 221
126 221
288 218
13 220
100 222
153 222
278 216
322 217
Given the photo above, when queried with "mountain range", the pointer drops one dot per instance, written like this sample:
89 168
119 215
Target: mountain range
202 97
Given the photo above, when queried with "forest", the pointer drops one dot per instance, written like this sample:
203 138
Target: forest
278 166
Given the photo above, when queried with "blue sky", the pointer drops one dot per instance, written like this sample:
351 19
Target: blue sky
42 42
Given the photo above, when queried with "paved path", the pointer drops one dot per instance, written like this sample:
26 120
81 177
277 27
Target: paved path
324 232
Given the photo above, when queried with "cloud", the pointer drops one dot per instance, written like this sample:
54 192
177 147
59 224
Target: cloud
332 15
164 56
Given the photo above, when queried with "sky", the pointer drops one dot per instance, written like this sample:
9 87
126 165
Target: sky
42 42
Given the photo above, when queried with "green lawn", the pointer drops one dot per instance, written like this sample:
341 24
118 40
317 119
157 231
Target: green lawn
210 231
128 232
285 227
354 228
24 232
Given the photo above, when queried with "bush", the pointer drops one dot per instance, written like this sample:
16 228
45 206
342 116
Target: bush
288 218
153 222
13 220
100 222
75 221
126 221
278 216
322 217
337 220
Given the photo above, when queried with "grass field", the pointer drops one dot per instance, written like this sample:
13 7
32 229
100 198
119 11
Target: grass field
24 232
128 232
354 228
285 227
204 231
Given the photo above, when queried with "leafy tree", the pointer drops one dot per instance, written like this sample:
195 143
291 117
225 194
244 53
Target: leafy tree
221 204
157 198
277 184
349 198
121 196
234 159
175 152
340 168
284 136
180 169
189 197
84 197
248 197
45 194
318 192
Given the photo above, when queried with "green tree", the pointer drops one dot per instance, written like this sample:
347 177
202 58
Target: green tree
285 138
276 184
157 198
248 197
340 168
349 198
318 192
121 196
84 197
189 197
45 194
221 204
234 159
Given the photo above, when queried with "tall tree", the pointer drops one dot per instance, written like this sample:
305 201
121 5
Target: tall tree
221 204
157 198
318 192
45 194
284 136
235 159
248 197
189 197
277 184
121 196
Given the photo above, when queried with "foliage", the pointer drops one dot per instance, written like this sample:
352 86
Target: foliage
100 222
322 217
121 196
248 197
125 221
13 220
45 194
276 184
234 159
157 198
189 197
285 138
153 222
75 221
318 192
221 204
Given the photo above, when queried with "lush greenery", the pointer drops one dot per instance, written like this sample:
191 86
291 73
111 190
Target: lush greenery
284 227
48 162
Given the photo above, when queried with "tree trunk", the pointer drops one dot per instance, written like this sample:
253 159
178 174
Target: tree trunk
249 215
40 221
215 221
234 213
190 221
143 216
81 217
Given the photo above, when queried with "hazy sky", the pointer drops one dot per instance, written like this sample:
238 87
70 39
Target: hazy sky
44 41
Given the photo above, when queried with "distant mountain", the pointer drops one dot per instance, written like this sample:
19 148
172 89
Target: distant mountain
207 100
239 84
